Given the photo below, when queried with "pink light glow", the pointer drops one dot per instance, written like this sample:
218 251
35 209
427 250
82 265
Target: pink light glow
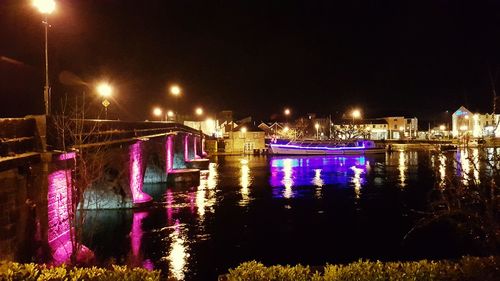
203 152
136 171
170 201
136 234
186 152
195 142
59 206
169 148
60 211
67 156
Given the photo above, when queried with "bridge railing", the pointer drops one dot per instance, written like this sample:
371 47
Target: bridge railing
17 136
92 131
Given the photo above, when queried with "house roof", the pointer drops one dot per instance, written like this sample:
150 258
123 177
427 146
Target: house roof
251 127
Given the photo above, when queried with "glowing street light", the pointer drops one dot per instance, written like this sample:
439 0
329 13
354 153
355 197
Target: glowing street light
287 111
285 129
157 112
243 129
105 90
442 127
356 113
199 111
46 7
317 130
170 114
175 90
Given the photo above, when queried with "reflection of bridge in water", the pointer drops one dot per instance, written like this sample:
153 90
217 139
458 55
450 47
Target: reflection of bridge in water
38 163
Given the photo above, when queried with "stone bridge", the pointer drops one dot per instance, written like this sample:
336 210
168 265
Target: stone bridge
41 162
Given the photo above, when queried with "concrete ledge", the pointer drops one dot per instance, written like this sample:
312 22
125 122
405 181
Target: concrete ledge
191 176
200 164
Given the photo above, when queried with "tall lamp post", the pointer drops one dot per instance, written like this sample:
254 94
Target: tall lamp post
317 130
46 7
105 90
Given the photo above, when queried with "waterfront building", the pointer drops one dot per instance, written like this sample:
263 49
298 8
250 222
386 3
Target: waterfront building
466 123
244 139
375 129
400 127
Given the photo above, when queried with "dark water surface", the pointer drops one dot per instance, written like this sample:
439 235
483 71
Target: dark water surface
277 210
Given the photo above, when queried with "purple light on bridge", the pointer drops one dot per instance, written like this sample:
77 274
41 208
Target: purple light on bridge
186 152
195 142
169 148
60 212
67 156
136 171
59 206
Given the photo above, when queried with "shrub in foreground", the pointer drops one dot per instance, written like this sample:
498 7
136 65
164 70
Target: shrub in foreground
466 268
12 271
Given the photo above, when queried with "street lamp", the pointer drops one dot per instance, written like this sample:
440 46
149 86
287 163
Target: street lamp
175 90
199 111
46 7
317 130
286 111
105 91
356 113
158 112
170 114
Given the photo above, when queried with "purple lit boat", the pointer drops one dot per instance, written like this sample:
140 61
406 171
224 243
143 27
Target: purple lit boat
309 147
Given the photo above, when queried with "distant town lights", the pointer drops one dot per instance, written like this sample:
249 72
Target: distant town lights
463 128
243 129
316 126
170 113
45 6
442 127
287 111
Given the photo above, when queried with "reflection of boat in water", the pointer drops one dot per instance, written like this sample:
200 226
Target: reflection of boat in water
309 147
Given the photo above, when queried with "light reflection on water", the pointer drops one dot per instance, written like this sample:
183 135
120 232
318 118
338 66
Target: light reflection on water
184 218
290 173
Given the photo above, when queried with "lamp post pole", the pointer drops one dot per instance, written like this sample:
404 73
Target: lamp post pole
46 90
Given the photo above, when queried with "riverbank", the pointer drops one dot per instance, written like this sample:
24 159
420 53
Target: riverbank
466 268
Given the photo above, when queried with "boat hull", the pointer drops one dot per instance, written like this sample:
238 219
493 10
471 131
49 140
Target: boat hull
283 150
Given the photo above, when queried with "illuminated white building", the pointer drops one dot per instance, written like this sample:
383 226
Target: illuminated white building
464 122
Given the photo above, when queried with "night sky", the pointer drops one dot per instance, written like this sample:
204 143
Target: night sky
417 58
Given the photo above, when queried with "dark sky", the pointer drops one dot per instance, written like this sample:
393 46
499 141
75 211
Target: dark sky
256 57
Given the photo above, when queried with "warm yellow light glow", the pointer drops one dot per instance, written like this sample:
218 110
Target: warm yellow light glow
442 127
286 129
170 113
45 6
288 178
476 116
243 129
175 90
287 111
104 89
356 113
401 128
157 111
463 128
316 126
199 111
466 117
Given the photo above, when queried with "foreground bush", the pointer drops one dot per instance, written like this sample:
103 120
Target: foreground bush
467 268
38 272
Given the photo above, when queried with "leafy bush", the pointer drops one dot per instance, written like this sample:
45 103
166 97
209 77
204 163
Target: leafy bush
467 268
12 271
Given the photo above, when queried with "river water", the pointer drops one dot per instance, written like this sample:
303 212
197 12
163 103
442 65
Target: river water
280 210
